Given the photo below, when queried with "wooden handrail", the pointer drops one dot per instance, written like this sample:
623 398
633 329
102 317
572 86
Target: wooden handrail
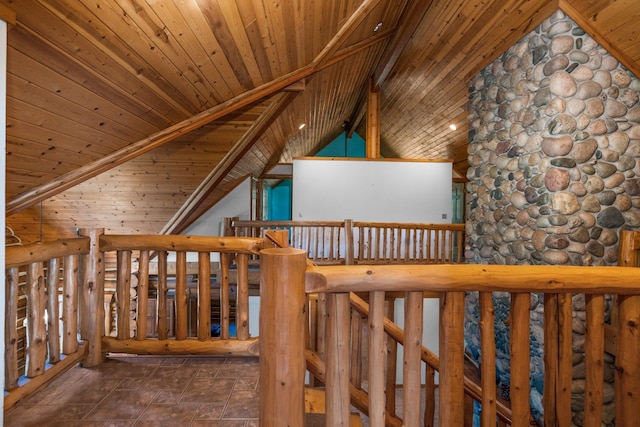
473 277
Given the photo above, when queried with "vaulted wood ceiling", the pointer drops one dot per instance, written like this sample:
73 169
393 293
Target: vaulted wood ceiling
139 115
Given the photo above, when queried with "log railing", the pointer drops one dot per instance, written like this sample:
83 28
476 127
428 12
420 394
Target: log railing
65 280
230 248
356 242
44 283
451 282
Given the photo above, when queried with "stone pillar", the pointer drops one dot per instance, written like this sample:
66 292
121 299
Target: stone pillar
554 176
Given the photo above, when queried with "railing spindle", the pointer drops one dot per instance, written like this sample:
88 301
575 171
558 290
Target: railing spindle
376 359
92 297
519 349
242 302
123 294
488 365
11 329
204 296
451 402
337 374
53 310
392 361
142 296
594 360
70 305
163 329
36 328
224 296
413 318
181 299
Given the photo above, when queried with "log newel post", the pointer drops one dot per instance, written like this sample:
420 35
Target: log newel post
92 297
282 331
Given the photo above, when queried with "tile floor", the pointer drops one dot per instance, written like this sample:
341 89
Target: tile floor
148 391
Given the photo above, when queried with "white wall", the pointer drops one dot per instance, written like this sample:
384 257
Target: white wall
372 190
236 203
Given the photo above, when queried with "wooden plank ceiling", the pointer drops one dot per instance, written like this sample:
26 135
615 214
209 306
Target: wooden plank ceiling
139 115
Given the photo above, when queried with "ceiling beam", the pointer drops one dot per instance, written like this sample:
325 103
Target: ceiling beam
344 32
411 17
181 219
409 21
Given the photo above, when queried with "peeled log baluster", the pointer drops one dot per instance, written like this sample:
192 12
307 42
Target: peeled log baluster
53 311
11 331
36 327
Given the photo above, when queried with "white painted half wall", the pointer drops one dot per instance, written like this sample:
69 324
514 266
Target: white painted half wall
378 191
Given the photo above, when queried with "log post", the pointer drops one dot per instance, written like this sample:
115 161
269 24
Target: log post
627 381
53 310
92 294
282 358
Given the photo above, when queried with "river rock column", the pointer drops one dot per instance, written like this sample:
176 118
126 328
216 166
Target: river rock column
554 176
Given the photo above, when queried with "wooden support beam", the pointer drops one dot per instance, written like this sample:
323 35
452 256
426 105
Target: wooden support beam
180 219
373 121
411 17
344 32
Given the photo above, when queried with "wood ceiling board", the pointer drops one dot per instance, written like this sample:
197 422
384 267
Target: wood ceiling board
610 23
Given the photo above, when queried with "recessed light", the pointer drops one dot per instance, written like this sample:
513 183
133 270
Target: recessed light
301 126
452 127
377 27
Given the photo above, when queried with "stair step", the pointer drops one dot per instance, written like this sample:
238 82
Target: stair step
315 408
